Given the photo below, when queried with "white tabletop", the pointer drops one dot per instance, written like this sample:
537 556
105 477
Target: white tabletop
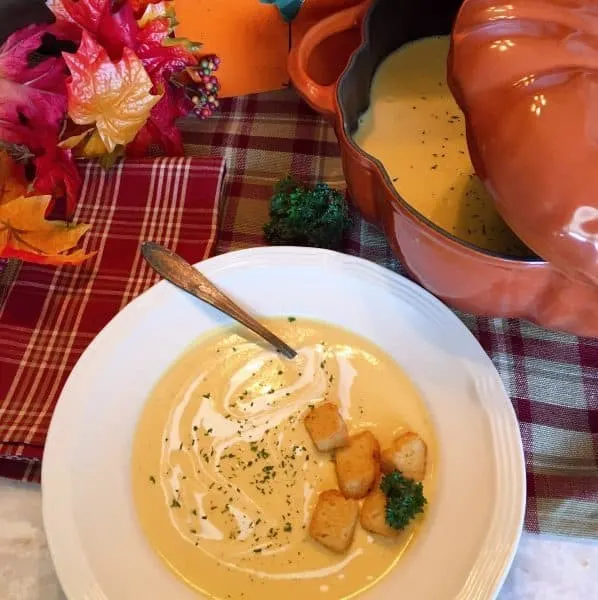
544 568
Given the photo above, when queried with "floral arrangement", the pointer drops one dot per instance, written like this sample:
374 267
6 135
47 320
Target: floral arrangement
107 79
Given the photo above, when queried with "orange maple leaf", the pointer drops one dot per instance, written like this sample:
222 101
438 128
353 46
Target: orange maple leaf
26 234
115 96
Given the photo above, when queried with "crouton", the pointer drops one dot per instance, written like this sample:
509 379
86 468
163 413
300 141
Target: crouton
373 514
407 454
333 521
357 465
326 427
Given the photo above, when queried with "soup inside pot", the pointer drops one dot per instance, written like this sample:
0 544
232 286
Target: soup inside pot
414 127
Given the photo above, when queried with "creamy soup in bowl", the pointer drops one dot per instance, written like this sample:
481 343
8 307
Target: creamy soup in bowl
228 473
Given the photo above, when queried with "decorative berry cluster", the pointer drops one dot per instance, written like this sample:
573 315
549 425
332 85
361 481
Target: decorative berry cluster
205 96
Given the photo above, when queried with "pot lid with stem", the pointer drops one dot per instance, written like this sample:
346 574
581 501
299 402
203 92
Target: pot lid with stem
525 74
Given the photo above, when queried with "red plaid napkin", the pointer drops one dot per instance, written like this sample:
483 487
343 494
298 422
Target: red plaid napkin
48 316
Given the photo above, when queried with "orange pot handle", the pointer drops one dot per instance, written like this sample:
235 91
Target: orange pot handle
321 97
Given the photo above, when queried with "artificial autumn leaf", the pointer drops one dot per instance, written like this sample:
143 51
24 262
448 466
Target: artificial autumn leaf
33 101
26 234
12 184
57 175
34 55
139 6
160 130
87 14
32 84
161 60
94 146
113 95
163 9
87 144
113 29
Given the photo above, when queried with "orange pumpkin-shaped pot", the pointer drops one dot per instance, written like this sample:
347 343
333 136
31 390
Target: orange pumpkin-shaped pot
523 74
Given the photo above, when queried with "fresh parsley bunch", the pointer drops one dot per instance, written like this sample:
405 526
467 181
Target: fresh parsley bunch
302 216
404 499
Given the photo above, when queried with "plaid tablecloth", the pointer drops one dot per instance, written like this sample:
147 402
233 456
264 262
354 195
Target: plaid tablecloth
552 378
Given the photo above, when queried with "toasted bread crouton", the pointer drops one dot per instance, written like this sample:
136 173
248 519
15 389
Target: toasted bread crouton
357 465
333 521
373 514
408 454
326 427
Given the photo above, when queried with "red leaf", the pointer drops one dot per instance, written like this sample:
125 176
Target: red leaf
25 111
87 14
160 130
122 24
113 30
32 84
47 68
33 103
57 174
161 61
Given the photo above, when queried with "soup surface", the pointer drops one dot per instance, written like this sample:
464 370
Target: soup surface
416 130
225 476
